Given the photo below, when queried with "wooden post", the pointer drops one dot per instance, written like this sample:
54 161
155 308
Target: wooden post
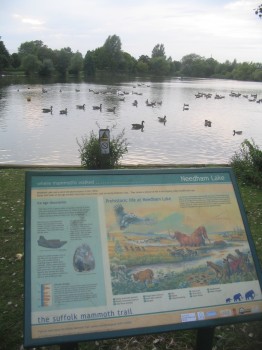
205 338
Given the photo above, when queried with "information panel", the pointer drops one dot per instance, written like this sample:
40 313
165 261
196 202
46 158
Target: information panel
125 252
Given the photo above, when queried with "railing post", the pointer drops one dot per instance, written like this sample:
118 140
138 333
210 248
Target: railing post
205 338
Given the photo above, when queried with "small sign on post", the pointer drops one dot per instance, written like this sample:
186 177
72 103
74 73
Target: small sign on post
104 139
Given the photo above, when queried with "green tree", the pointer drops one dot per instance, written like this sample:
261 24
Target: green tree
143 63
89 63
31 64
112 52
76 63
4 56
15 60
224 70
193 65
142 67
43 52
30 48
158 51
100 58
62 60
127 64
257 74
176 66
244 71
46 67
210 67
159 66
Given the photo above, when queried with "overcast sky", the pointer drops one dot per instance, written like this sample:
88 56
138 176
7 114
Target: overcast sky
222 29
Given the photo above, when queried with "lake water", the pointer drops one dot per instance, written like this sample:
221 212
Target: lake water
30 137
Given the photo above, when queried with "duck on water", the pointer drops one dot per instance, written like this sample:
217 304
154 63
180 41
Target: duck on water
138 126
47 110
98 107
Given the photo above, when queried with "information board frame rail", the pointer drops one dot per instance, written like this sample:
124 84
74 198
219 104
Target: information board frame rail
116 253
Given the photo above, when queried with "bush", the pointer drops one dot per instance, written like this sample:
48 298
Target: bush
90 154
247 163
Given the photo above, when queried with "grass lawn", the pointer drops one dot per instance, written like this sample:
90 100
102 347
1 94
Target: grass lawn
243 336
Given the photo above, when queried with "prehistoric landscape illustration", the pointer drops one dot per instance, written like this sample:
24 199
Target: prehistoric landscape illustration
145 256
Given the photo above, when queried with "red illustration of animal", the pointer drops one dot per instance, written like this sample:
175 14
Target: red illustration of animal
144 276
183 239
196 239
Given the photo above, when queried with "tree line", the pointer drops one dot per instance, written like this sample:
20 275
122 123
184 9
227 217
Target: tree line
34 57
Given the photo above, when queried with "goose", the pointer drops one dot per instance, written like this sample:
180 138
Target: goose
208 123
98 107
63 111
77 90
135 103
80 106
162 119
237 132
111 109
47 110
138 126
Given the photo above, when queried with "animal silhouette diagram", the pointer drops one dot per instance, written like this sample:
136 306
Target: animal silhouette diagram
125 219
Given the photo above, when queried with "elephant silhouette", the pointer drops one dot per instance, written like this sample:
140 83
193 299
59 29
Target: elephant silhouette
250 295
237 297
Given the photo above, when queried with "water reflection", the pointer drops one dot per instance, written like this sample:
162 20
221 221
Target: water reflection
29 136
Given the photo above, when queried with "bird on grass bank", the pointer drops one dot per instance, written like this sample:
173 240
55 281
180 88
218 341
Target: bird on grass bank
98 107
237 132
138 126
47 110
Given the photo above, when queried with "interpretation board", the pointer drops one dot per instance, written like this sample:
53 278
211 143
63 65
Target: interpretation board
128 252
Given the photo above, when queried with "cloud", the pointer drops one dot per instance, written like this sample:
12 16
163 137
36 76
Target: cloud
200 26
28 23
32 21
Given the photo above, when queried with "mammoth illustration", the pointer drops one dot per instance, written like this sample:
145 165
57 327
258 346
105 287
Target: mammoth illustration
250 295
237 297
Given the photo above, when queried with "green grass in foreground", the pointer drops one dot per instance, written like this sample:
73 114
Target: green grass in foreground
242 336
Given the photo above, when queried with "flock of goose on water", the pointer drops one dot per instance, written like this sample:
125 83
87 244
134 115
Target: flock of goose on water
137 126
